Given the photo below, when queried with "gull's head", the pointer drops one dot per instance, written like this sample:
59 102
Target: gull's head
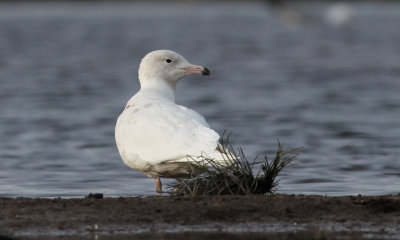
167 65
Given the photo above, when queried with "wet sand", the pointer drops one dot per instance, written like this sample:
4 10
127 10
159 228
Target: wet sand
23 217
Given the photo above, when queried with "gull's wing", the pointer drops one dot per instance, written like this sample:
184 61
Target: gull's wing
158 132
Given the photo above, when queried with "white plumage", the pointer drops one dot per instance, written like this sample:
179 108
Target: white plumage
156 136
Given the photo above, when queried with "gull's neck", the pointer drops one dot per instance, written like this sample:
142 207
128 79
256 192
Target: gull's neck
159 87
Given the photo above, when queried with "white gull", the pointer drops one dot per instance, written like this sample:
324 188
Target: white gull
155 135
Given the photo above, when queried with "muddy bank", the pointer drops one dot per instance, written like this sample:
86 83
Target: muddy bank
23 217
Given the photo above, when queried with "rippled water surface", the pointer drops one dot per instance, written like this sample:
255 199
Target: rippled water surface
67 70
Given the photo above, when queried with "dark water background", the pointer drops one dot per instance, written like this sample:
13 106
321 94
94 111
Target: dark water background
67 70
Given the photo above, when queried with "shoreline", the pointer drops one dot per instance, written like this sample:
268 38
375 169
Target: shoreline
278 213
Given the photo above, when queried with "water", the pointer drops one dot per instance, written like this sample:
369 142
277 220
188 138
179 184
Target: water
67 70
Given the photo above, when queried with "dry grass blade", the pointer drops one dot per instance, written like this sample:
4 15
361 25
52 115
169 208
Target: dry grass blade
238 178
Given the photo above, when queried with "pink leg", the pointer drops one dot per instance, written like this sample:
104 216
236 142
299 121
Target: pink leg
158 186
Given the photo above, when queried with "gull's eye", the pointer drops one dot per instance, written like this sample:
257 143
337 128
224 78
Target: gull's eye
168 60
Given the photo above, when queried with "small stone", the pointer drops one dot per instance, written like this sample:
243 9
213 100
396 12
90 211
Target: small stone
95 195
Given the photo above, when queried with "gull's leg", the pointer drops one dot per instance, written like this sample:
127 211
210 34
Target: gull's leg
158 186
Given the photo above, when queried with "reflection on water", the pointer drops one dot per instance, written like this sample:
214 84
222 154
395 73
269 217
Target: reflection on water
66 72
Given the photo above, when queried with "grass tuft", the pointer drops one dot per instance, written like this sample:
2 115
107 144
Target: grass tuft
238 178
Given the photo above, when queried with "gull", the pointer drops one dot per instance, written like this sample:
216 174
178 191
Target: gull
339 14
157 136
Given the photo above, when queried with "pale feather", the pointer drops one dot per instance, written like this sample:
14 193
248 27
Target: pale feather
156 131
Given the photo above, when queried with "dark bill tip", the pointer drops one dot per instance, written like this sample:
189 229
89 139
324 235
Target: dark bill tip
205 71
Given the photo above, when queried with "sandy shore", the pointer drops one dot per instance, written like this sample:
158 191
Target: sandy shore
22 217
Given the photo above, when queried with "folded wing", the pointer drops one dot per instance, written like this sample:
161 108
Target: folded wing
158 132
